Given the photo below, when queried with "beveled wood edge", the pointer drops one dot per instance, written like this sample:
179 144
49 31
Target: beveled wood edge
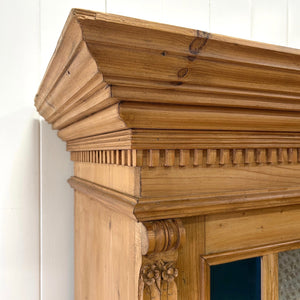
107 17
147 209
269 266
141 139
112 199
204 279
162 208
230 256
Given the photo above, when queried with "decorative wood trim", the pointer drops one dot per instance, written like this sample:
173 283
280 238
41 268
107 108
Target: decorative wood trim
194 157
164 235
266 250
204 279
113 157
126 115
140 139
156 208
172 207
159 270
180 110
269 266
157 281
202 95
89 73
112 199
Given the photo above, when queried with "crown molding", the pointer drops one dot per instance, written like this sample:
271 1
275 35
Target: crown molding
104 77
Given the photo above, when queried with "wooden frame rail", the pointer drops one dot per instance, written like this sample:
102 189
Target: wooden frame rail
269 266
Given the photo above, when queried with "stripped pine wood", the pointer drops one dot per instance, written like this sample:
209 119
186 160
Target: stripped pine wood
85 108
255 228
120 178
216 180
133 115
193 157
179 139
92 255
269 274
186 150
239 254
95 84
70 39
206 96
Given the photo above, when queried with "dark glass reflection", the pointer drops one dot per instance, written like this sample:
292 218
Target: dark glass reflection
238 280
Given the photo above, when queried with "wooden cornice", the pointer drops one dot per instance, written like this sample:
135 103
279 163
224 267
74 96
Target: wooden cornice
176 134
111 73
116 201
140 139
177 121
151 208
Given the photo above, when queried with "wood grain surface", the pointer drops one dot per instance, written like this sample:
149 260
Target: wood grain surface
195 134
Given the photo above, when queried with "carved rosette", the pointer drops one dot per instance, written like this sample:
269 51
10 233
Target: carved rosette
157 281
158 272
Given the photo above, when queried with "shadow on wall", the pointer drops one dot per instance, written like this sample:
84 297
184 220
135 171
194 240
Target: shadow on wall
57 217
19 203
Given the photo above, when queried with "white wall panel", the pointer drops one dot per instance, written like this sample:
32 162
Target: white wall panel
294 23
147 10
53 17
57 218
19 151
231 17
19 205
269 21
186 13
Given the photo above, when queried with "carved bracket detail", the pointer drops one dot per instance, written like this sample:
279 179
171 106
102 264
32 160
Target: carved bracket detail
158 272
164 235
157 281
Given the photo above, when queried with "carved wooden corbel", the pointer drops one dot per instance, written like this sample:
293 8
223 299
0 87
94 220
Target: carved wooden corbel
158 271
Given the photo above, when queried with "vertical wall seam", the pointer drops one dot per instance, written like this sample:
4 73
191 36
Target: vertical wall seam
287 22
209 15
251 19
40 209
40 151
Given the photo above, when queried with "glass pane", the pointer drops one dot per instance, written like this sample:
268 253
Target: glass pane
289 275
238 280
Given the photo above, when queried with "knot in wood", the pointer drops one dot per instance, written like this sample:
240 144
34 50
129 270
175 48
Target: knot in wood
182 72
199 42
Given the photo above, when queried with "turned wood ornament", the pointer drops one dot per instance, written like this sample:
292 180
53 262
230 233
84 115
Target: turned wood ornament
164 235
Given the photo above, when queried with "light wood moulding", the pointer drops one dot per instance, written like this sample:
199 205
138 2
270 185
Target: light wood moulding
140 139
224 83
190 157
155 204
269 266
192 133
156 116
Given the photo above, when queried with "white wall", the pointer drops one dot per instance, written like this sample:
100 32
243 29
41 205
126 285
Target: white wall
31 241
19 151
